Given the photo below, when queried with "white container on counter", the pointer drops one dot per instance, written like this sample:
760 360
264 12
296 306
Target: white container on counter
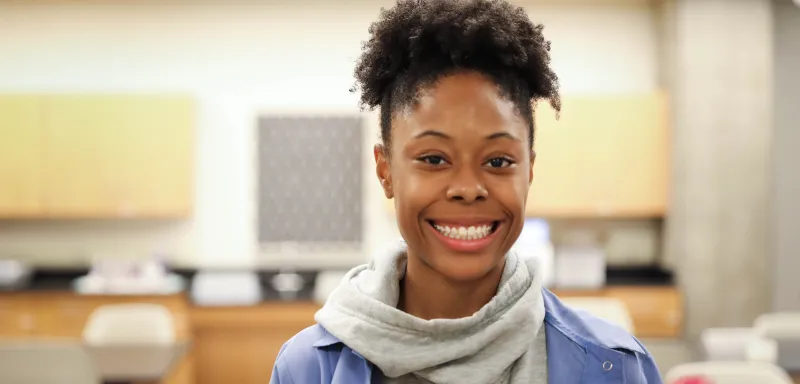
580 267
226 288
534 242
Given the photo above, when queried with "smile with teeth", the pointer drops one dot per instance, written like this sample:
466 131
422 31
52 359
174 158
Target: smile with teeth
476 232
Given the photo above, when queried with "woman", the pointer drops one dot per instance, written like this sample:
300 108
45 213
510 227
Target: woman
455 82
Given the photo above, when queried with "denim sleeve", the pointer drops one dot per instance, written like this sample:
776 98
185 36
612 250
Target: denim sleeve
650 370
280 371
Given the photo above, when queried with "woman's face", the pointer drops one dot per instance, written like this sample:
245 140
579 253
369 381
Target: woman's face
459 170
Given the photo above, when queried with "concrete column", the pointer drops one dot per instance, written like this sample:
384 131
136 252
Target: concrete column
785 193
720 75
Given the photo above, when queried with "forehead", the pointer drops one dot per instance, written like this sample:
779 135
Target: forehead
461 104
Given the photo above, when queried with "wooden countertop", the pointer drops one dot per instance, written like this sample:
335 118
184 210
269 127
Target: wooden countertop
258 316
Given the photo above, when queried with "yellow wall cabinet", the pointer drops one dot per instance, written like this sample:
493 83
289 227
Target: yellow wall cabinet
20 156
605 156
96 156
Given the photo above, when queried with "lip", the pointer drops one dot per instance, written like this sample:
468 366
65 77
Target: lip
465 246
465 222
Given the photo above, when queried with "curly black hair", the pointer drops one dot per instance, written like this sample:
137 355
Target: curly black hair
417 42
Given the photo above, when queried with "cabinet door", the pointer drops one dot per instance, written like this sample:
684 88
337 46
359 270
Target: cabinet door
59 317
605 156
66 315
20 156
83 165
16 320
118 156
634 148
240 344
657 312
560 186
155 144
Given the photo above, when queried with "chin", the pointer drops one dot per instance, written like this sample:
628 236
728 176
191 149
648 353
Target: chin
463 269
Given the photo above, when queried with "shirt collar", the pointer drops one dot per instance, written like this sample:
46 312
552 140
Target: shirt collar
326 340
585 330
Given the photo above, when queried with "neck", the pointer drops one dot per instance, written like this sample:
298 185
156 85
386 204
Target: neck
428 295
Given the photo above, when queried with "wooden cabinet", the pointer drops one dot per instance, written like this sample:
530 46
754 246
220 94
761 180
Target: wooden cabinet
240 344
97 156
118 156
66 314
657 312
63 316
16 317
605 156
20 156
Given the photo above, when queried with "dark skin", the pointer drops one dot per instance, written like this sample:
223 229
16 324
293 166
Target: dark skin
459 155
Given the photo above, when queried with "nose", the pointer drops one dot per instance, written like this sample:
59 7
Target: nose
467 187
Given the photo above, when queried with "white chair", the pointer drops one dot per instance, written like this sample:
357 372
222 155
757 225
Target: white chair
730 372
132 341
34 362
779 342
762 350
779 325
609 309
130 324
727 344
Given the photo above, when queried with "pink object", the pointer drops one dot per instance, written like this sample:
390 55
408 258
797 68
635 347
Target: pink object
693 380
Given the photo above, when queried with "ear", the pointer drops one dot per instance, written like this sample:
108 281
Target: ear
530 172
383 170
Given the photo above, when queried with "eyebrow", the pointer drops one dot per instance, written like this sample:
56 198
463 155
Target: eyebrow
432 133
493 136
502 135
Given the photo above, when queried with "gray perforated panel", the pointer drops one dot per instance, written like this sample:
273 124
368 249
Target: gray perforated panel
310 179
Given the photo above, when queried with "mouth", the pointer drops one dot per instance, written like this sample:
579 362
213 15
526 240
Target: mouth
465 232
465 237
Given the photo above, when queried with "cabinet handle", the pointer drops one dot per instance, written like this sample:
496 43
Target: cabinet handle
673 319
68 309
26 322
604 209
126 210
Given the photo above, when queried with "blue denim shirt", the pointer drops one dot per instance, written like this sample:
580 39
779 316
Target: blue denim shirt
580 349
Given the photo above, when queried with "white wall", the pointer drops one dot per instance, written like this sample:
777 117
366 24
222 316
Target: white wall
239 58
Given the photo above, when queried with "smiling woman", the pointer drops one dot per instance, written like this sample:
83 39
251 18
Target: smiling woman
456 82
460 161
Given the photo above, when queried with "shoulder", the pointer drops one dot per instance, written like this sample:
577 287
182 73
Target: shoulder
582 327
598 336
300 353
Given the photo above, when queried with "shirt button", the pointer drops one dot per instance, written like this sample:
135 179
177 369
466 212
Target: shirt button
607 366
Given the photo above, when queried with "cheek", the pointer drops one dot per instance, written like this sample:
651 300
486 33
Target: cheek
407 211
410 197
513 196
523 192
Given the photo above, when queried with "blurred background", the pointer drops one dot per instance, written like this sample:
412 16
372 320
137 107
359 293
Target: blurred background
183 182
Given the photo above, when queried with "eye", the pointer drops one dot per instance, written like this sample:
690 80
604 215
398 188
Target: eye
499 162
432 160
